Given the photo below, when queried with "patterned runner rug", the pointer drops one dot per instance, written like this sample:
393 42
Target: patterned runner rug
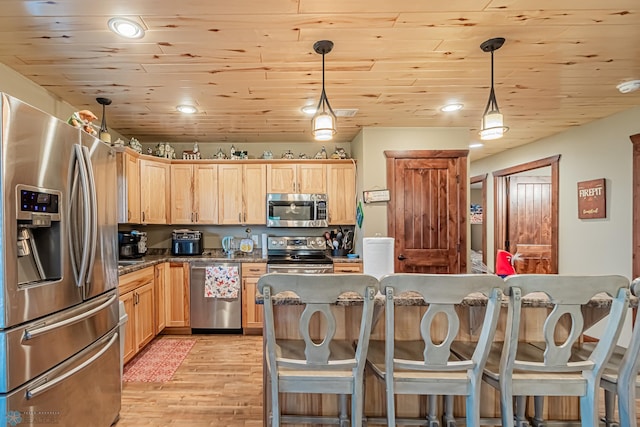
158 361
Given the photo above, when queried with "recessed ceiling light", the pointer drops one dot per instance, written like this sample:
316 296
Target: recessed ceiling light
309 110
451 107
476 145
126 28
629 86
187 109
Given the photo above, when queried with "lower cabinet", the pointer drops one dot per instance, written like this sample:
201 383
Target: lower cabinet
347 267
160 311
252 316
177 296
137 294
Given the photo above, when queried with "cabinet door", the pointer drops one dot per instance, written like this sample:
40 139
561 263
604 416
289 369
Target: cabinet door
341 193
130 347
128 189
311 178
161 279
154 191
230 194
252 316
177 295
182 194
205 194
255 194
145 330
281 178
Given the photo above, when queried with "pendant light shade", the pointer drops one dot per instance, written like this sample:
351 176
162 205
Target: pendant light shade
492 120
323 123
104 132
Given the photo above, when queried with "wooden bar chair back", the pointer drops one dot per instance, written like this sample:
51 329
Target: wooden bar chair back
551 367
324 358
426 366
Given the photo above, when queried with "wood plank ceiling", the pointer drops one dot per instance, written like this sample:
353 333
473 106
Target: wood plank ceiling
249 66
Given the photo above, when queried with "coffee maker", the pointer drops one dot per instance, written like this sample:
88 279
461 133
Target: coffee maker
132 244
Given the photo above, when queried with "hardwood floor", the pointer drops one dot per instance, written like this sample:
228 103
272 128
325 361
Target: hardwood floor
218 384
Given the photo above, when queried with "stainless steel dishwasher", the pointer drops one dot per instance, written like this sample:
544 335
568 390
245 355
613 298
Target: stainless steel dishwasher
220 313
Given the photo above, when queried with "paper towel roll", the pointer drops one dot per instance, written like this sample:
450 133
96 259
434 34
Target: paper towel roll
377 256
264 245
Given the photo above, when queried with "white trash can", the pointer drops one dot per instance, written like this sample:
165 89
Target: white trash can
124 318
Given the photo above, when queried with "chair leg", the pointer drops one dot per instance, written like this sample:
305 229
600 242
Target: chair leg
609 409
432 416
344 419
391 408
521 406
588 405
357 405
448 419
506 405
538 403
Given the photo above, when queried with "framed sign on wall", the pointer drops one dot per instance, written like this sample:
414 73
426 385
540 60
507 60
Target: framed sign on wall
592 199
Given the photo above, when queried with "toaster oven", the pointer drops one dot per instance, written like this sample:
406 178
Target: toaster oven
187 242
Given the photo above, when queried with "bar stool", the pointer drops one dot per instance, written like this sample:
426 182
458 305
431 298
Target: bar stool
426 366
318 364
551 368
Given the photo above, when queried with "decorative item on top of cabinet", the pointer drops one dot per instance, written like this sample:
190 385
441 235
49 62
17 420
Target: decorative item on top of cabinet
128 172
177 298
192 187
252 315
347 267
297 178
137 294
242 194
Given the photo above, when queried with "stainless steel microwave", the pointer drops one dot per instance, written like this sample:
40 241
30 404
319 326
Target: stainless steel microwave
296 210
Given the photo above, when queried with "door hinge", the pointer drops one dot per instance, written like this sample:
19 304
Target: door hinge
506 245
458 248
457 179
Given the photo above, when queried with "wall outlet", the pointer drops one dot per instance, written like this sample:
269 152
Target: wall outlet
256 240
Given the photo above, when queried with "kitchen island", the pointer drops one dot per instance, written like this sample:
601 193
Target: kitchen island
287 308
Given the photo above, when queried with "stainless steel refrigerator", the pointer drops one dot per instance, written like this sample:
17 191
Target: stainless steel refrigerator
59 342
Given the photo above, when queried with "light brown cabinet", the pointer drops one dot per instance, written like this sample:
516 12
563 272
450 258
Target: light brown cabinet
347 267
154 191
341 193
128 188
194 194
297 178
242 193
160 286
252 313
137 294
177 296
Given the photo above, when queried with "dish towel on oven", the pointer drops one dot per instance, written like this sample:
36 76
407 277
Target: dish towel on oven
221 282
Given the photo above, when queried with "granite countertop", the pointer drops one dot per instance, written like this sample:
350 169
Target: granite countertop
213 255
346 259
536 299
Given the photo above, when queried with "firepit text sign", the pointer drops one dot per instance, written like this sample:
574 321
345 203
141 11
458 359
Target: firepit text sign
592 199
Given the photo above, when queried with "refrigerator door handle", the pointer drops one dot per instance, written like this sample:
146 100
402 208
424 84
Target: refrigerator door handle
31 393
35 332
93 239
79 168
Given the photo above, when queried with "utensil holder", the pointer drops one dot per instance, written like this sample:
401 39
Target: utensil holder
338 252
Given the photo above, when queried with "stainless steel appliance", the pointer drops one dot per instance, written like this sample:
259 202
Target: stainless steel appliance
212 312
297 255
187 242
60 353
297 210
132 244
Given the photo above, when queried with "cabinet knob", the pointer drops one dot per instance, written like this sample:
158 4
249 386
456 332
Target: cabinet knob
402 257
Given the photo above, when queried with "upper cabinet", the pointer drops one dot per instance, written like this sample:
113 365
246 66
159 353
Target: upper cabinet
341 193
297 178
128 188
154 191
194 194
242 195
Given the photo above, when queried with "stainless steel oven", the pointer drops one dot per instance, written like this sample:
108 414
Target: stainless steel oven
296 210
298 255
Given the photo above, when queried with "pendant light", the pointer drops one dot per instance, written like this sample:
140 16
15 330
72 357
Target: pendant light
323 123
492 121
104 133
